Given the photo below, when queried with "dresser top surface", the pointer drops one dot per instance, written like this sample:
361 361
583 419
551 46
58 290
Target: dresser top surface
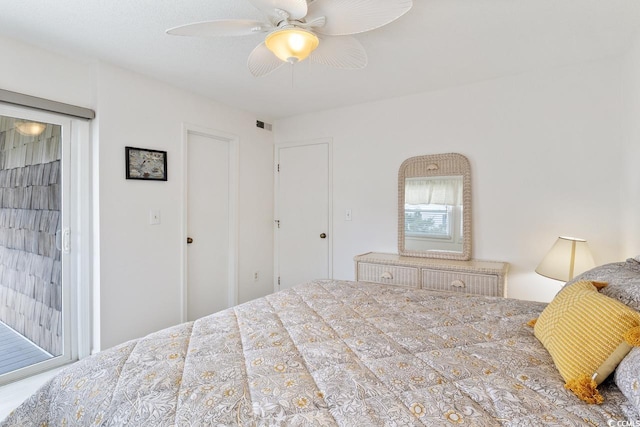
494 267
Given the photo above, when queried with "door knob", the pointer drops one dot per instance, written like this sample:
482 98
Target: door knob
323 236
189 240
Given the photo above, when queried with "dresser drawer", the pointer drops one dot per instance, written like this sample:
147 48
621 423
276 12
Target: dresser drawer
468 283
389 274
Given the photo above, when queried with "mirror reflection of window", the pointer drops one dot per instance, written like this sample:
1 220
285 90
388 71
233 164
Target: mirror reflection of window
428 221
433 213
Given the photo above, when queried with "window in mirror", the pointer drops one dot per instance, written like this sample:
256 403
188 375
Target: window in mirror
433 213
428 221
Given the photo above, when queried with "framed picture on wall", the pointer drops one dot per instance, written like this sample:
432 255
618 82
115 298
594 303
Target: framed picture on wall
142 163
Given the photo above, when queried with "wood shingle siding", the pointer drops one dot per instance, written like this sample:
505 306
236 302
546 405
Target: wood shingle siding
30 262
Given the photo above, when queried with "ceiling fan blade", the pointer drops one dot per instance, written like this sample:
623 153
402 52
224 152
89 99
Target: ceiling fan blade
262 61
297 9
226 27
340 52
356 16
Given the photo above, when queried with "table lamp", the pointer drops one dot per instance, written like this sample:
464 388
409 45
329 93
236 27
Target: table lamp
567 258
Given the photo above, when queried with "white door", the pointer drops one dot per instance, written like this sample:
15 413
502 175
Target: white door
303 232
210 256
36 325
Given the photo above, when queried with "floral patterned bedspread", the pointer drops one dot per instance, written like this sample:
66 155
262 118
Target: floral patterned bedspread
329 353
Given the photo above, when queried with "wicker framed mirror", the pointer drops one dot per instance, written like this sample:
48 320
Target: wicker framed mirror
434 207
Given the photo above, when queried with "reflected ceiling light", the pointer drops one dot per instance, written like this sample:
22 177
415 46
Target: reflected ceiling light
30 128
292 44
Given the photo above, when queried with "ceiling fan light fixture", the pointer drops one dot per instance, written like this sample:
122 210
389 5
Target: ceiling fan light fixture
292 44
30 128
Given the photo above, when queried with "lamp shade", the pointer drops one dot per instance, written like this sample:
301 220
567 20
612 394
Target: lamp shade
567 258
292 44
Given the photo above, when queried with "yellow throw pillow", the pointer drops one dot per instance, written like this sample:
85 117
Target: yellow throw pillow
584 331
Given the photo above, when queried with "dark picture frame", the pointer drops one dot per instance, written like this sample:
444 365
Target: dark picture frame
145 164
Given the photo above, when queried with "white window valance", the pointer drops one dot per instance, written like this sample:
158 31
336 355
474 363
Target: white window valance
433 191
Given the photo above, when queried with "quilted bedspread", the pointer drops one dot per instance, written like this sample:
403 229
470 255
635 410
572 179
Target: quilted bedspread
328 353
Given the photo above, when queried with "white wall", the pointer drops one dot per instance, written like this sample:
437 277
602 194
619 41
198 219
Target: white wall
139 275
141 263
630 187
545 151
44 74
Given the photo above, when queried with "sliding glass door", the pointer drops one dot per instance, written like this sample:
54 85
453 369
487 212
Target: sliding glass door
36 296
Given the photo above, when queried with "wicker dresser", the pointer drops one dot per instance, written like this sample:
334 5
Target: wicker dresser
471 277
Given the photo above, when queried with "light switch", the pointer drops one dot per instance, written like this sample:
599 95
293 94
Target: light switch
347 215
154 217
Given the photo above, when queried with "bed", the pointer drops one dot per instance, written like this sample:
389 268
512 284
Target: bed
332 353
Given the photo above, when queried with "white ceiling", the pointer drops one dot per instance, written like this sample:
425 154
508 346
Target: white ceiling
438 44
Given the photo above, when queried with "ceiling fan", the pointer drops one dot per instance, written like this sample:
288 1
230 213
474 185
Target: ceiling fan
297 29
